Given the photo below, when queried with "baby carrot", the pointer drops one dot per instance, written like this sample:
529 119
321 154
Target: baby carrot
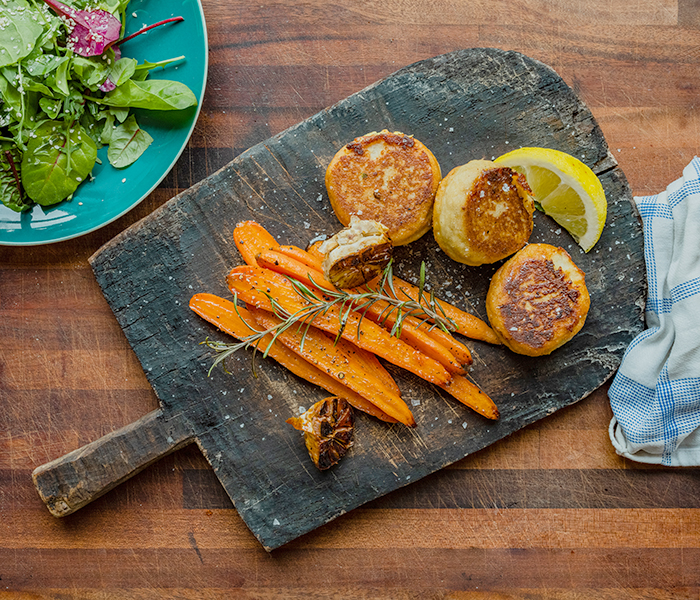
251 239
339 360
256 286
302 256
237 322
470 395
419 339
467 324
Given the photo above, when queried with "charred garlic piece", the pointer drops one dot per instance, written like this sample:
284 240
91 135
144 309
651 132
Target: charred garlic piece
357 254
328 428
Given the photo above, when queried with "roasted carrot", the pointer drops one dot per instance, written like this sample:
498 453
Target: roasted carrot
302 256
306 266
340 361
414 336
372 364
315 252
281 263
236 321
470 395
254 235
251 239
457 348
419 339
467 324
252 284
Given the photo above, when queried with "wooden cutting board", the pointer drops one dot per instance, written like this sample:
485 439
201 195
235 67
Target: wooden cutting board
476 103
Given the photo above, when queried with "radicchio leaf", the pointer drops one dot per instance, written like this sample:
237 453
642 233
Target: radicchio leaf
107 85
92 30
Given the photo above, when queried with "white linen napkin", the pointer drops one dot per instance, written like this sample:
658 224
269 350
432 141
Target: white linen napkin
655 395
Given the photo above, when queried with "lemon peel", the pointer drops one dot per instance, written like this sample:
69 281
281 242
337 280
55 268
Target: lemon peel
566 189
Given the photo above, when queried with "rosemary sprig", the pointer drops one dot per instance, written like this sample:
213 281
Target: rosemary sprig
320 300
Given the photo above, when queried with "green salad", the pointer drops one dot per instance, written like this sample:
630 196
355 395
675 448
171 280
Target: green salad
66 91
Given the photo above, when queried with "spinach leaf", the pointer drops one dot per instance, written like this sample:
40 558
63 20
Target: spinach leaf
19 32
107 129
127 142
47 175
155 94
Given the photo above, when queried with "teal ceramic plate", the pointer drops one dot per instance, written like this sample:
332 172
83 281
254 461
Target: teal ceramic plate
114 192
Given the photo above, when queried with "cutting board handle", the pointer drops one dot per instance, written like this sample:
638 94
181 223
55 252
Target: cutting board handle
76 479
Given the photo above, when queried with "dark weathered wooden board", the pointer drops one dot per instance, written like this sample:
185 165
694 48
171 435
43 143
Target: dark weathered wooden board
470 104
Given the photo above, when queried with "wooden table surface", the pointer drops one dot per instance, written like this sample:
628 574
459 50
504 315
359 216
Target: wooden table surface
551 512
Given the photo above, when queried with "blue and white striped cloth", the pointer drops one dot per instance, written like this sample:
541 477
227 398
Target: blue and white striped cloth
655 396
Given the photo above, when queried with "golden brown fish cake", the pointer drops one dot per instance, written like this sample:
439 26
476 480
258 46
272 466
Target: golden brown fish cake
482 213
386 177
537 300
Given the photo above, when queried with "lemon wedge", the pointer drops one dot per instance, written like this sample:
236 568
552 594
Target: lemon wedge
565 188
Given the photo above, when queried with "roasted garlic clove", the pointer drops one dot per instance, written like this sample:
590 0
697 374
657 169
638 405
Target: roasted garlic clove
356 254
328 428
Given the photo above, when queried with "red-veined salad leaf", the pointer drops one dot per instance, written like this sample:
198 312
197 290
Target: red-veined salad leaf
127 142
92 31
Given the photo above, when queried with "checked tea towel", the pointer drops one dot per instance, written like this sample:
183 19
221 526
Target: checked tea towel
655 395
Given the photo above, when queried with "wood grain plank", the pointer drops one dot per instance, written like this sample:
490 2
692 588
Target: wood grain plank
77 369
76 417
354 593
166 527
622 84
316 570
430 13
550 40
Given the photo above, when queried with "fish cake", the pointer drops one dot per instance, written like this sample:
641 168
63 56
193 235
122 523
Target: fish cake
482 213
537 300
386 177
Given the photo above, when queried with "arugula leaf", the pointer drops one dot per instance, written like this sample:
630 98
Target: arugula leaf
122 71
47 175
62 78
127 142
19 32
11 97
50 107
43 64
155 94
